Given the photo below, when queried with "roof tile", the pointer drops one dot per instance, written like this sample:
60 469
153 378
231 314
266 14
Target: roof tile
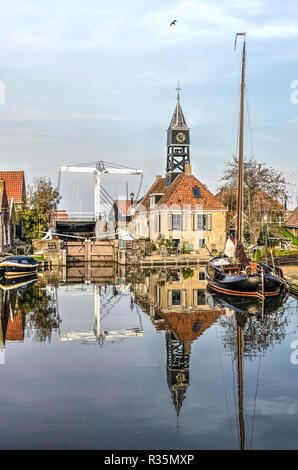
14 184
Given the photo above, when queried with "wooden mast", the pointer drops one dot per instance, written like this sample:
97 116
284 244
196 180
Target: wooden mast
241 142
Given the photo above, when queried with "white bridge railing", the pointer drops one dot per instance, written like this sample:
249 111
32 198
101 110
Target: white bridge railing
66 216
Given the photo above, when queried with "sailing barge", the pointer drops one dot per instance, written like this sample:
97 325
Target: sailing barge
246 277
253 280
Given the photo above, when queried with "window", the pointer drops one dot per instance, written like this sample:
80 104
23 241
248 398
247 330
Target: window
196 326
156 222
201 297
202 221
196 192
202 243
176 222
154 198
24 261
202 276
176 297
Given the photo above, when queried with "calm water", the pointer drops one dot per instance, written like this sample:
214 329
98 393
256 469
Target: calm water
94 359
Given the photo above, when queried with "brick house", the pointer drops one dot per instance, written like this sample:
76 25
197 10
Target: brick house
15 186
179 206
291 223
16 194
5 229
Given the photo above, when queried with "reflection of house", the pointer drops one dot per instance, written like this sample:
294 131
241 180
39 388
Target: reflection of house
292 223
179 206
15 327
12 322
5 232
177 303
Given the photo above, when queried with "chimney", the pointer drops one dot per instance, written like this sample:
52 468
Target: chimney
131 198
158 177
187 169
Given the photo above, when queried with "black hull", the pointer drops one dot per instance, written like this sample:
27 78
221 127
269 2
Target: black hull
245 285
21 282
19 271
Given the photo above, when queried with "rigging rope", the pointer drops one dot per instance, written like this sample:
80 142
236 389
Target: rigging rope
249 123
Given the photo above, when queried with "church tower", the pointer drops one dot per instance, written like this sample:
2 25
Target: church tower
178 144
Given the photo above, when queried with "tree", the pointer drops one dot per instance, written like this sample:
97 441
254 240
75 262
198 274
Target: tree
264 192
35 215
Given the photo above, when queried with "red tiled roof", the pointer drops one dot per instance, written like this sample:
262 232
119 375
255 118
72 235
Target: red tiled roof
60 214
260 199
3 196
292 220
267 202
180 192
158 187
14 184
124 205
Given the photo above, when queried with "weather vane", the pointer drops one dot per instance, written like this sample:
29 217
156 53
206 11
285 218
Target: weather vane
178 88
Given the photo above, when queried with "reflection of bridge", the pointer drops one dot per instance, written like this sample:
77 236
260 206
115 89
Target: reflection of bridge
103 304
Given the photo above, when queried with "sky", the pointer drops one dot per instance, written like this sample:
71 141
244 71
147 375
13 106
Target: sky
89 80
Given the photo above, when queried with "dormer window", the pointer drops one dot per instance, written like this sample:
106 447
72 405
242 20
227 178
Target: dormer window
154 198
196 192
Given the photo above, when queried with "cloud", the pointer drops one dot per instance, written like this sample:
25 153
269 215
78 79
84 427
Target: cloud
83 75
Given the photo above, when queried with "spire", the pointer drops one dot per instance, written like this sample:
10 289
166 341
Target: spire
178 119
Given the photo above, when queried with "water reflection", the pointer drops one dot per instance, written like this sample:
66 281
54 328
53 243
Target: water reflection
175 302
178 303
25 305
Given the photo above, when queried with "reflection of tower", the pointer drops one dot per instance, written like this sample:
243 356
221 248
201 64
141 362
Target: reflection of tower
178 357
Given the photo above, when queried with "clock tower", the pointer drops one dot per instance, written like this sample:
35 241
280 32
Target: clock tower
178 144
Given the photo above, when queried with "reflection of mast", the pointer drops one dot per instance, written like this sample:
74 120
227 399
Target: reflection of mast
240 322
2 345
97 292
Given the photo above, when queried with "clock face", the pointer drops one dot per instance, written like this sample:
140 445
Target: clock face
180 137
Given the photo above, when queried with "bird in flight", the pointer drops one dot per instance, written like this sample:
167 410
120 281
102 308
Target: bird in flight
173 23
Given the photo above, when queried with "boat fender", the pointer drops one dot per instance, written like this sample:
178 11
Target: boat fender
249 271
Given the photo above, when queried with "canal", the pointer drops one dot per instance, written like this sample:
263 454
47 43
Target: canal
144 360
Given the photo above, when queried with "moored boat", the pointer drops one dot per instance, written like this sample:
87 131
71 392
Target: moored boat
18 266
18 283
232 273
253 280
